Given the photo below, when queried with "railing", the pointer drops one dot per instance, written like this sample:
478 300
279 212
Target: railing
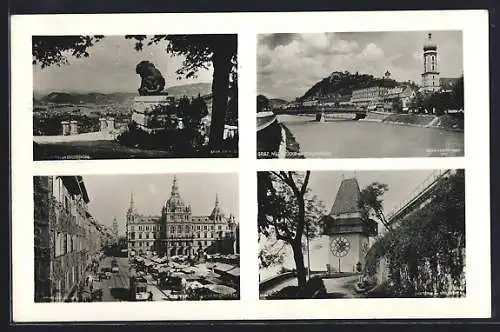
417 192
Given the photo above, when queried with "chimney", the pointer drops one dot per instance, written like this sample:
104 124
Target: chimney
65 128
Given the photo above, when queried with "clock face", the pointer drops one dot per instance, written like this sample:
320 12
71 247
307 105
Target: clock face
340 246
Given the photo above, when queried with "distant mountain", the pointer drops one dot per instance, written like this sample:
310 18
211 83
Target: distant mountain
274 102
190 90
343 83
97 98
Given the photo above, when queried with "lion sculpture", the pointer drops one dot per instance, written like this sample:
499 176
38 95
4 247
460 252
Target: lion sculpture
152 81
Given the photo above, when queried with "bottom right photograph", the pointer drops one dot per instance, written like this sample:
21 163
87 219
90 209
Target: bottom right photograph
361 234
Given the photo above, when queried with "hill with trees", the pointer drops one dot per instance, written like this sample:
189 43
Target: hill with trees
343 83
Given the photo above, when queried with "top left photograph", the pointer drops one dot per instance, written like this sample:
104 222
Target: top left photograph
135 96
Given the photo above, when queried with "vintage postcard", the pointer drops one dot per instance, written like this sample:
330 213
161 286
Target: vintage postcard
388 234
95 244
360 94
135 96
353 183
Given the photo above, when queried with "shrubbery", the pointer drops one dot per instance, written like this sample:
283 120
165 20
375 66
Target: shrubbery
426 253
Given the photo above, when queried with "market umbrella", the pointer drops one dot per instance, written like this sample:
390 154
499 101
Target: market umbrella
194 285
221 289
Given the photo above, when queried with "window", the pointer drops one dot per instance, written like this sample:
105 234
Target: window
205 235
147 228
205 227
147 235
186 229
198 235
211 235
140 228
198 227
179 229
132 235
212 227
219 228
172 229
58 245
140 235
131 228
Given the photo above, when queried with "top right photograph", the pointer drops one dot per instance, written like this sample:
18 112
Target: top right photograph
388 94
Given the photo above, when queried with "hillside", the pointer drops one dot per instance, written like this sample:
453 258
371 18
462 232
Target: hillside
117 97
190 89
275 102
343 83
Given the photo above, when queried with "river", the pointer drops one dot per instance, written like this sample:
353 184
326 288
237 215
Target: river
359 139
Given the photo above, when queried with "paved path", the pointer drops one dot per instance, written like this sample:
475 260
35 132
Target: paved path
342 287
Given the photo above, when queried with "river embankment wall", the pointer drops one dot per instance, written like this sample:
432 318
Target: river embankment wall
451 122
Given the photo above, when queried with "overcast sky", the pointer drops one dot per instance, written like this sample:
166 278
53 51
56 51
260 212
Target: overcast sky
325 184
111 68
110 194
289 64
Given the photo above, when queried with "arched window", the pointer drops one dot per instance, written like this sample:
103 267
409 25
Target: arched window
205 235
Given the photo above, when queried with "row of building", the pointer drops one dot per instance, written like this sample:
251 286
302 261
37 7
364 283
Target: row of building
383 98
177 232
67 238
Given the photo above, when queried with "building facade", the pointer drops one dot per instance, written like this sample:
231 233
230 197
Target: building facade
66 236
430 76
369 98
176 231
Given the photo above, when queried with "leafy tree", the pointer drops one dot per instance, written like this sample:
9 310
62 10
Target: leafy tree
53 50
370 202
397 106
426 252
286 209
262 103
458 93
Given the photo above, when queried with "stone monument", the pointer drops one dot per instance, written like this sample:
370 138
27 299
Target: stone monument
151 97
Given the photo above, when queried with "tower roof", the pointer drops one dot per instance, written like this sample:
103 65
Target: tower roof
347 197
131 208
429 44
217 210
175 201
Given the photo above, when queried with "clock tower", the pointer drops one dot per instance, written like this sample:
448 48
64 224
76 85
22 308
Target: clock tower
347 231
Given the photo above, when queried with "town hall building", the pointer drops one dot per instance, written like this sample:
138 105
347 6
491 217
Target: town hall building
176 231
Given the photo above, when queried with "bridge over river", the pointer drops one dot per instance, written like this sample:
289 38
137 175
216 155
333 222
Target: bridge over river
321 111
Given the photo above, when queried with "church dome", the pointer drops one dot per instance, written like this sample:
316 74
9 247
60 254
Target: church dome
429 44
216 210
175 202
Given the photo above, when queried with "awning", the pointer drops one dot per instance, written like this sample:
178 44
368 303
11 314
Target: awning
221 289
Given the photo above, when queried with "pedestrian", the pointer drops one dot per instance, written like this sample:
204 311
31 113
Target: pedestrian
150 296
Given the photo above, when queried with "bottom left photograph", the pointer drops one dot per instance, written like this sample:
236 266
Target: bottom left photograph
137 237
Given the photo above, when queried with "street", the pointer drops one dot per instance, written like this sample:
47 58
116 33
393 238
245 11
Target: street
116 288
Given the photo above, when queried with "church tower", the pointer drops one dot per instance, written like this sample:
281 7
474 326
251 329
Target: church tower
430 76
131 212
348 232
